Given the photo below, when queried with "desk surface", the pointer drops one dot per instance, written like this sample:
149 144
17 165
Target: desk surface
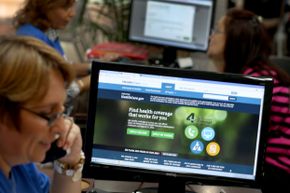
129 187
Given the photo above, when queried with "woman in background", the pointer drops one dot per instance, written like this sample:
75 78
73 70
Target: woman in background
240 44
42 19
33 85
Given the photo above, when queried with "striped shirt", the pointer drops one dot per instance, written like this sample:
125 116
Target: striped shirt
278 142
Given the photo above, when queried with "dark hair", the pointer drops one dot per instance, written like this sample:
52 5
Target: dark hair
246 40
34 12
248 44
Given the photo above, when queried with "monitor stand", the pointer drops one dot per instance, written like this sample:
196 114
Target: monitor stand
97 190
169 56
167 185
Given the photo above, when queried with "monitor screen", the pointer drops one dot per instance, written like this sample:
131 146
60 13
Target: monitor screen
152 123
180 24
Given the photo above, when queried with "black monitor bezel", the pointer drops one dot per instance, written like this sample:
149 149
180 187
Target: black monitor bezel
105 172
168 46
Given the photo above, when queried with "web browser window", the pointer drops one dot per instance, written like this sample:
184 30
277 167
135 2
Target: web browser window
175 124
179 28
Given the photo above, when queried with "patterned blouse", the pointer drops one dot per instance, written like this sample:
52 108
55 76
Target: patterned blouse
278 142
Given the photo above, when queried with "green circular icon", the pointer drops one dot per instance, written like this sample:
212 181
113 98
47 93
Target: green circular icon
191 132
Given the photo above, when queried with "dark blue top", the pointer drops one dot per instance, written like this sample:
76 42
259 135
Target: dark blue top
24 178
30 30
54 42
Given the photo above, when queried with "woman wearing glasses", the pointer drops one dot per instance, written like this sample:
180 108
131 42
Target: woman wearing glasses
240 45
33 85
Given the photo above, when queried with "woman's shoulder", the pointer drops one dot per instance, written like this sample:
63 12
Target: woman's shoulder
28 175
24 178
31 30
260 70
264 69
281 87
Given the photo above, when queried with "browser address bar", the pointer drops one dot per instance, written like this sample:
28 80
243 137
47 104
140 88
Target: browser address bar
214 96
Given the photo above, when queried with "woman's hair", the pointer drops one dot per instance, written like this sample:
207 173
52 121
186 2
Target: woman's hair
25 64
246 40
34 12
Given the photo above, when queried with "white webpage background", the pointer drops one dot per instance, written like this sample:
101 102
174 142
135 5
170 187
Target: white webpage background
168 21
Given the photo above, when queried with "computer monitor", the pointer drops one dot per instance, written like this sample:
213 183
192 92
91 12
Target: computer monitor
173 24
175 126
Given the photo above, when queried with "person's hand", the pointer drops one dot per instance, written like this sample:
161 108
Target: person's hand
71 141
82 69
84 83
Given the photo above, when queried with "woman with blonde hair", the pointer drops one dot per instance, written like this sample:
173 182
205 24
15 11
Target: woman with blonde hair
33 85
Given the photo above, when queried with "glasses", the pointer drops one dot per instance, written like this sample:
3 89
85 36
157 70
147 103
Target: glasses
50 119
